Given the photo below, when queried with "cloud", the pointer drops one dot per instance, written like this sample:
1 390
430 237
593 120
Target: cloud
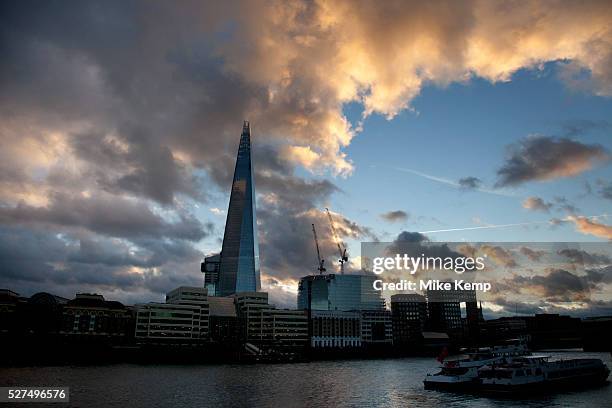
605 189
588 226
557 285
544 158
416 244
106 215
395 216
470 183
564 205
578 127
583 257
119 119
217 211
514 306
536 204
532 254
499 255
67 262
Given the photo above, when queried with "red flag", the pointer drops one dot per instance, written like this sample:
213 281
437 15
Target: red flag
443 354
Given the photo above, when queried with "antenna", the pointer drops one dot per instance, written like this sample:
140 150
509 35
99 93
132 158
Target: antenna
339 243
321 268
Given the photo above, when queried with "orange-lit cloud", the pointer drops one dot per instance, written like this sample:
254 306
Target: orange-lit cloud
590 227
316 56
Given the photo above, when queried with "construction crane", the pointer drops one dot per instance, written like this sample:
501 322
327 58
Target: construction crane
341 247
321 268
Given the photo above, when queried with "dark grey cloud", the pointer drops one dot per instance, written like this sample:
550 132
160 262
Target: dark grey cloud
470 183
147 170
412 237
601 275
395 216
286 211
557 285
545 158
108 215
416 244
560 285
583 257
65 262
514 306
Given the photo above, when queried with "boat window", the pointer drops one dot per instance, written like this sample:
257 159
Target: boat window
538 371
520 373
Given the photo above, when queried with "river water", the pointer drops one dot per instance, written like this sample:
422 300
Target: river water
354 383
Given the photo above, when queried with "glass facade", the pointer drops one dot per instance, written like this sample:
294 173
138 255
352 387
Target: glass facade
339 292
239 269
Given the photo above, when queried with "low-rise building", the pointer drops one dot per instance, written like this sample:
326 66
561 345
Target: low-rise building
193 296
335 329
289 328
166 323
268 328
223 324
183 319
376 327
91 315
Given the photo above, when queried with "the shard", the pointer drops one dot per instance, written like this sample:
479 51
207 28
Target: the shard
239 267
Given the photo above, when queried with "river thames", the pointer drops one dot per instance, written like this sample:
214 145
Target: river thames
353 383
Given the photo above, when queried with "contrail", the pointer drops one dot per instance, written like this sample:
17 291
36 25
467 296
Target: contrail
442 180
518 224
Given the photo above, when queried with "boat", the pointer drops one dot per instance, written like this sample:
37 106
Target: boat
539 373
461 374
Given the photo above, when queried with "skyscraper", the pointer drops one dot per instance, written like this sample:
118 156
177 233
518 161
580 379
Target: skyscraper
239 268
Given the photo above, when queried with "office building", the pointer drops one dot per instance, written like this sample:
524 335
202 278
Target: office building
376 327
250 319
239 259
332 329
166 323
184 318
339 293
409 315
289 329
267 327
444 310
194 296
223 323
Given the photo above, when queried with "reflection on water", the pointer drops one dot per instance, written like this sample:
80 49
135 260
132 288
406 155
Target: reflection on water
369 383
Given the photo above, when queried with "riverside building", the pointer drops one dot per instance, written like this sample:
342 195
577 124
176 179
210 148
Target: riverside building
183 319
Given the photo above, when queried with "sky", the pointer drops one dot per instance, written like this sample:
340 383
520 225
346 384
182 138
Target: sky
469 121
